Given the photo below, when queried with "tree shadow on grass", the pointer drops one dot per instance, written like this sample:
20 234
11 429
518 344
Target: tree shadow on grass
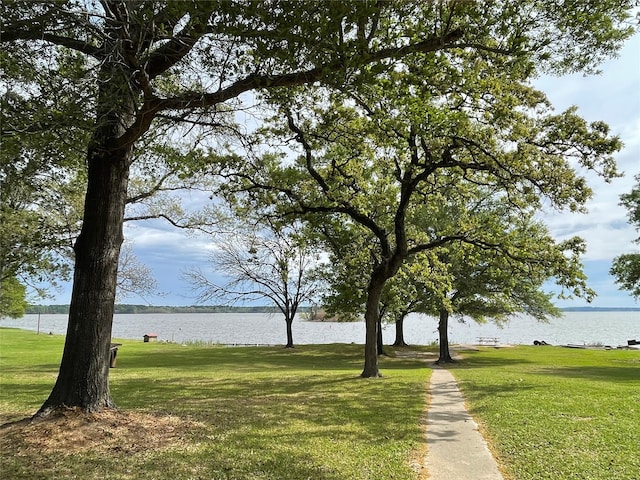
479 391
214 463
314 396
470 361
278 404
321 357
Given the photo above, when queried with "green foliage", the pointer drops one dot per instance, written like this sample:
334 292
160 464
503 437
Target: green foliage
405 80
406 165
626 267
504 274
43 133
13 302
626 270
409 152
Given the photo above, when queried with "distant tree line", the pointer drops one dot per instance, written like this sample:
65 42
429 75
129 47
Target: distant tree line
64 309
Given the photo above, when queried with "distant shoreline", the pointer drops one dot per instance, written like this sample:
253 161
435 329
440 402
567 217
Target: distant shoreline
140 309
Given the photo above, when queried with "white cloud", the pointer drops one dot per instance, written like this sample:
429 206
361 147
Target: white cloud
160 239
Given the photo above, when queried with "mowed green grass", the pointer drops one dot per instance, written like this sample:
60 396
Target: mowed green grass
557 413
257 413
271 413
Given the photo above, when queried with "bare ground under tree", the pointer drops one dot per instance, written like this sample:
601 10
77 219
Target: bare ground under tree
71 431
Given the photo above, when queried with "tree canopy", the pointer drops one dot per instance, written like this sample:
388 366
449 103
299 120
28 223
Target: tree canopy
183 67
391 156
41 166
13 302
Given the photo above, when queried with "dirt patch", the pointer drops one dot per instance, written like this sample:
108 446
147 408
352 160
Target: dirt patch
72 431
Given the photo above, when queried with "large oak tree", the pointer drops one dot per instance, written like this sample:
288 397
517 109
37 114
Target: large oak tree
385 153
497 283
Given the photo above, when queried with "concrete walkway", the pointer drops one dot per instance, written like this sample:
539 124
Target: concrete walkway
456 449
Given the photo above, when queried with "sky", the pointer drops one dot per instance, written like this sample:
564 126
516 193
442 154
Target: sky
613 96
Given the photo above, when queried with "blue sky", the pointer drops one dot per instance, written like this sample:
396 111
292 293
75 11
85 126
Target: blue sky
613 96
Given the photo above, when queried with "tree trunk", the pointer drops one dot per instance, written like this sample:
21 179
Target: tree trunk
289 321
443 335
83 379
379 342
371 316
399 341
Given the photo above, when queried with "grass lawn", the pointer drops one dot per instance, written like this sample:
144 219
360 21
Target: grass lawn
203 412
198 412
557 413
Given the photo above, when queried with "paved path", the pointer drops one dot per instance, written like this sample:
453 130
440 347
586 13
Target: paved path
456 450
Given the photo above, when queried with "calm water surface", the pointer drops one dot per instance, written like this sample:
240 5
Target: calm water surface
606 328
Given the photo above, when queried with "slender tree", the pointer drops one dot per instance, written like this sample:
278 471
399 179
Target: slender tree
275 265
415 289
499 284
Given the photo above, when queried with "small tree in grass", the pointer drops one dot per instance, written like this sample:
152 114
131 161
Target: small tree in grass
274 264
496 284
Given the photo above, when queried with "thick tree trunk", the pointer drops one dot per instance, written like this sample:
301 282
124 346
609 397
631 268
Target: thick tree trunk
443 335
371 316
399 341
83 379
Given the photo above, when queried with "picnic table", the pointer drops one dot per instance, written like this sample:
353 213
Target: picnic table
488 340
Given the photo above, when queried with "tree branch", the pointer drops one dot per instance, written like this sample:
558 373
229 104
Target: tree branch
175 49
8 35
254 81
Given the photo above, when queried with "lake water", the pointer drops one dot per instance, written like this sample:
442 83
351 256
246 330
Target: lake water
606 328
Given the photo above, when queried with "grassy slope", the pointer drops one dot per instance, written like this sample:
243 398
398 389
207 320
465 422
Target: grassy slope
256 413
558 413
